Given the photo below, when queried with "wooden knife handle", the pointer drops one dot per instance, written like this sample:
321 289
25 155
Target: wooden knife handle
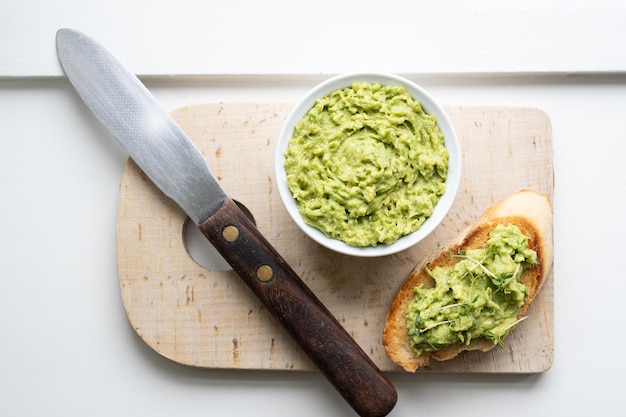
309 322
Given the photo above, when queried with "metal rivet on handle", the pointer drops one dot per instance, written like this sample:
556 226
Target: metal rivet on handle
264 273
230 233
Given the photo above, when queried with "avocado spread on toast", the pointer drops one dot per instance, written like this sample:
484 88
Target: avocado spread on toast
477 297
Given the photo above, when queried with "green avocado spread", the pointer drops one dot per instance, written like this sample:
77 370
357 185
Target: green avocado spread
479 296
366 164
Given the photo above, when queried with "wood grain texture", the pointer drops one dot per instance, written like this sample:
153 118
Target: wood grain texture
210 319
316 331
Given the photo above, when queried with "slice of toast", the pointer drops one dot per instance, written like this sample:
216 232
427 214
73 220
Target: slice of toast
532 214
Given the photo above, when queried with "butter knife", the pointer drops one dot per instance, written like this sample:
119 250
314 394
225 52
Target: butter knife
160 148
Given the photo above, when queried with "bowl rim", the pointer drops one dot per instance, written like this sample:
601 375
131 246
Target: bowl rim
430 106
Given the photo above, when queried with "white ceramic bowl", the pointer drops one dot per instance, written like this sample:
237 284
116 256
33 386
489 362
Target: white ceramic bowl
429 105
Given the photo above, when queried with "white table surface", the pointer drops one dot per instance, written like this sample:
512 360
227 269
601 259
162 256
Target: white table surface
66 347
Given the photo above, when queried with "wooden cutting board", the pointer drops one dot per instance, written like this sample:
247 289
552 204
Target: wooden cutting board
209 318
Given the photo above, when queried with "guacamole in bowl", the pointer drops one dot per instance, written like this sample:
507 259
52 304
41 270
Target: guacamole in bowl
367 164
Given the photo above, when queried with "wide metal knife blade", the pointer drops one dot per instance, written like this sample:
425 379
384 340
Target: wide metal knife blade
147 132
162 150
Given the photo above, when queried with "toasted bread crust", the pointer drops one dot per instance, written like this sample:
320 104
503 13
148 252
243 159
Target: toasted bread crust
532 214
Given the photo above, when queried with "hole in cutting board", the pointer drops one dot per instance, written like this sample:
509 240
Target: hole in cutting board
201 250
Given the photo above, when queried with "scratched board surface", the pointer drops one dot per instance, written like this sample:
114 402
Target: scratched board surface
209 318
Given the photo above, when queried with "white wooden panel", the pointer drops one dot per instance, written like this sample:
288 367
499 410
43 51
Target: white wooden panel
188 37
